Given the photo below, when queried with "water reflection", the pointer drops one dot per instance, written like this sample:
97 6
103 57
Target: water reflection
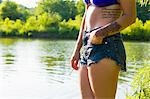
8 53
137 57
51 60
9 58
8 41
34 68
55 57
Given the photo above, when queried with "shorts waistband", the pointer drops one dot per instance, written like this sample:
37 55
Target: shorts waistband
111 36
92 30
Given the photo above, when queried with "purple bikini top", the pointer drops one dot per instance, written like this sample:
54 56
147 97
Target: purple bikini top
101 3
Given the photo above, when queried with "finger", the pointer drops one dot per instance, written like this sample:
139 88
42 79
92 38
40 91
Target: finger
72 62
75 66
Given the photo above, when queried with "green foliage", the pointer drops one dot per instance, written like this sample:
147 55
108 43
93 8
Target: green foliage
70 28
146 29
39 9
13 11
80 7
141 84
6 10
65 8
34 24
41 23
134 28
59 18
7 26
144 2
143 12
18 24
24 13
138 30
11 28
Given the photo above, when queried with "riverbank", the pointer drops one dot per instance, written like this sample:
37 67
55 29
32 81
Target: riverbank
136 32
45 21
57 37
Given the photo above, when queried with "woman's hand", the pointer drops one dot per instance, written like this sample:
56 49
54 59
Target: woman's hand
95 39
74 60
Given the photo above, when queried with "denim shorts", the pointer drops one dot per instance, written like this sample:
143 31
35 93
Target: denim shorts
111 47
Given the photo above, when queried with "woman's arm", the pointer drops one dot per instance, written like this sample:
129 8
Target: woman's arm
76 54
128 18
79 40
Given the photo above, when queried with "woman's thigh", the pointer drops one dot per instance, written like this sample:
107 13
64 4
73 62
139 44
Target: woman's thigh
85 88
103 78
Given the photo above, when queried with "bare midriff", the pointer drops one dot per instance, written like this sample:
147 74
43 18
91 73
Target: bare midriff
100 16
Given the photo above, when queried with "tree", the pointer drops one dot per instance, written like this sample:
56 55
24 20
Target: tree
80 7
143 12
12 11
144 2
66 9
143 8
24 12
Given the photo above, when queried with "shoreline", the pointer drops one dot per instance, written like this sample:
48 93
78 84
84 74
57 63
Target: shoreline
126 39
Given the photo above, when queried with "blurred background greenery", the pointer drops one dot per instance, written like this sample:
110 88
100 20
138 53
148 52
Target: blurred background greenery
61 19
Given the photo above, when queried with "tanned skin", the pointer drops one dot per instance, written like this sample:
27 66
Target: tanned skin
99 81
127 18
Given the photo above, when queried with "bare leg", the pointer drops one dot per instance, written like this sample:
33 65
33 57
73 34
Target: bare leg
85 88
103 78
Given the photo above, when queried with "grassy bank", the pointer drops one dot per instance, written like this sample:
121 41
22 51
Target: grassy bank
59 19
141 84
48 26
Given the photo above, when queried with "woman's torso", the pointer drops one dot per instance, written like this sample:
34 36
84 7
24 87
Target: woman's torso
97 16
